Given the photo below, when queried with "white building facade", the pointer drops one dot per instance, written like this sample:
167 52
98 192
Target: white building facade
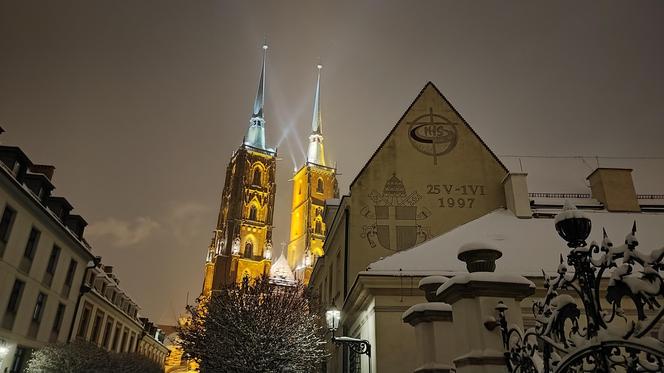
43 261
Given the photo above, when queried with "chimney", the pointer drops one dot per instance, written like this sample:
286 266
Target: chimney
614 187
516 194
45 169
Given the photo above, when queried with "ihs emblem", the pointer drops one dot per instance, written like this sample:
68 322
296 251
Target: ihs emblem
433 134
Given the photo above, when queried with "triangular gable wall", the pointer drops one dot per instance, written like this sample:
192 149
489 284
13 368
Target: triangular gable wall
431 173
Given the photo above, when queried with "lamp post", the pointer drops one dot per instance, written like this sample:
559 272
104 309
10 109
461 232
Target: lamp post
356 345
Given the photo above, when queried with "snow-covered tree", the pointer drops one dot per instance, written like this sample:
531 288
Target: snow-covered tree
256 326
82 357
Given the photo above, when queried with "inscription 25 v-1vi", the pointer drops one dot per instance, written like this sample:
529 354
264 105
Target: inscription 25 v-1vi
457 195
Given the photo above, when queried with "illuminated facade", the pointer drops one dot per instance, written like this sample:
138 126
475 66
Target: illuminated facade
242 242
313 183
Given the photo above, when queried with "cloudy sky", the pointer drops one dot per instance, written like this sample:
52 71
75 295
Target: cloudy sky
139 104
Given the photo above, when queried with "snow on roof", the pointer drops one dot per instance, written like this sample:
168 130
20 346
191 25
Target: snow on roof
280 270
544 174
528 245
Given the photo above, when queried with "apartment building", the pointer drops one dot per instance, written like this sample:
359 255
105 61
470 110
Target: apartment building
53 289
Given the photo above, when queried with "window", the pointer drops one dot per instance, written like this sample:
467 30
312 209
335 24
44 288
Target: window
31 246
30 250
96 327
116 336
37 314
248 249
123 346
253 213
53 260
69 279
6 224
39 308
13 304
59 317
131 342
17 168
107 333
20 358
319 186
84 321
15 296
52 265
257 177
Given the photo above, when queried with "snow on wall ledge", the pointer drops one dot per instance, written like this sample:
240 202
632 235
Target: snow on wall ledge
430 306
464 278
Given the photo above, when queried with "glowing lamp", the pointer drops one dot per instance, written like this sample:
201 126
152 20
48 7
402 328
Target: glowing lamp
267 254
235 249
332 316
307 259
3 351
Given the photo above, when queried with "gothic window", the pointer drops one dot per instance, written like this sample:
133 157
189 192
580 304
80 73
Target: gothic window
257 177
248 249
319 186
253 213
318 227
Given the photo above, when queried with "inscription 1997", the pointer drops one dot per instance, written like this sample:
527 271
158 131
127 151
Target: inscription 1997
458 196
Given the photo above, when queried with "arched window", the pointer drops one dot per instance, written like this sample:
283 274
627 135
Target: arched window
248 249
318 228
257 177
253 213
319 186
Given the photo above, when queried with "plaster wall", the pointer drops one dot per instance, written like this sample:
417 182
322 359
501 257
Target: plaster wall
28 215
431 174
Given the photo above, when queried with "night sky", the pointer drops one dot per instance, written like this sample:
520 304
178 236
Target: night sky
139 104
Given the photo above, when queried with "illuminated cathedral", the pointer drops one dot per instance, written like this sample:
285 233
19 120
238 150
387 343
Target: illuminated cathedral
241 246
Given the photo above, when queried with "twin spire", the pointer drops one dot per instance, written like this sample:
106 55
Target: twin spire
316 153
256 132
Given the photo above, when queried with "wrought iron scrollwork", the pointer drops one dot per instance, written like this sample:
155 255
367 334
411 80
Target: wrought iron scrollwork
604 339
358 346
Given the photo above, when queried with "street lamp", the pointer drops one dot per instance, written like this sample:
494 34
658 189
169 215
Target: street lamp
359 346
333 315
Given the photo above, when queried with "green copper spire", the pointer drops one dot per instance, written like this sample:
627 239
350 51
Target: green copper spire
256 132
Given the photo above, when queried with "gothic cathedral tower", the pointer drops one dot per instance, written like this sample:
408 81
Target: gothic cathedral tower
242 242
313 183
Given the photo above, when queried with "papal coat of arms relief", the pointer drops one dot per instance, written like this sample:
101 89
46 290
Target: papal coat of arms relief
396 217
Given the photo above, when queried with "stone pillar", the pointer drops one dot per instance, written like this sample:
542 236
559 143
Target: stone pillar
433 323
473 297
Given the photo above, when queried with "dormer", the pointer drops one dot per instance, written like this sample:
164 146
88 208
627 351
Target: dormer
59 206
76 224
40 185
17 162
44 169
